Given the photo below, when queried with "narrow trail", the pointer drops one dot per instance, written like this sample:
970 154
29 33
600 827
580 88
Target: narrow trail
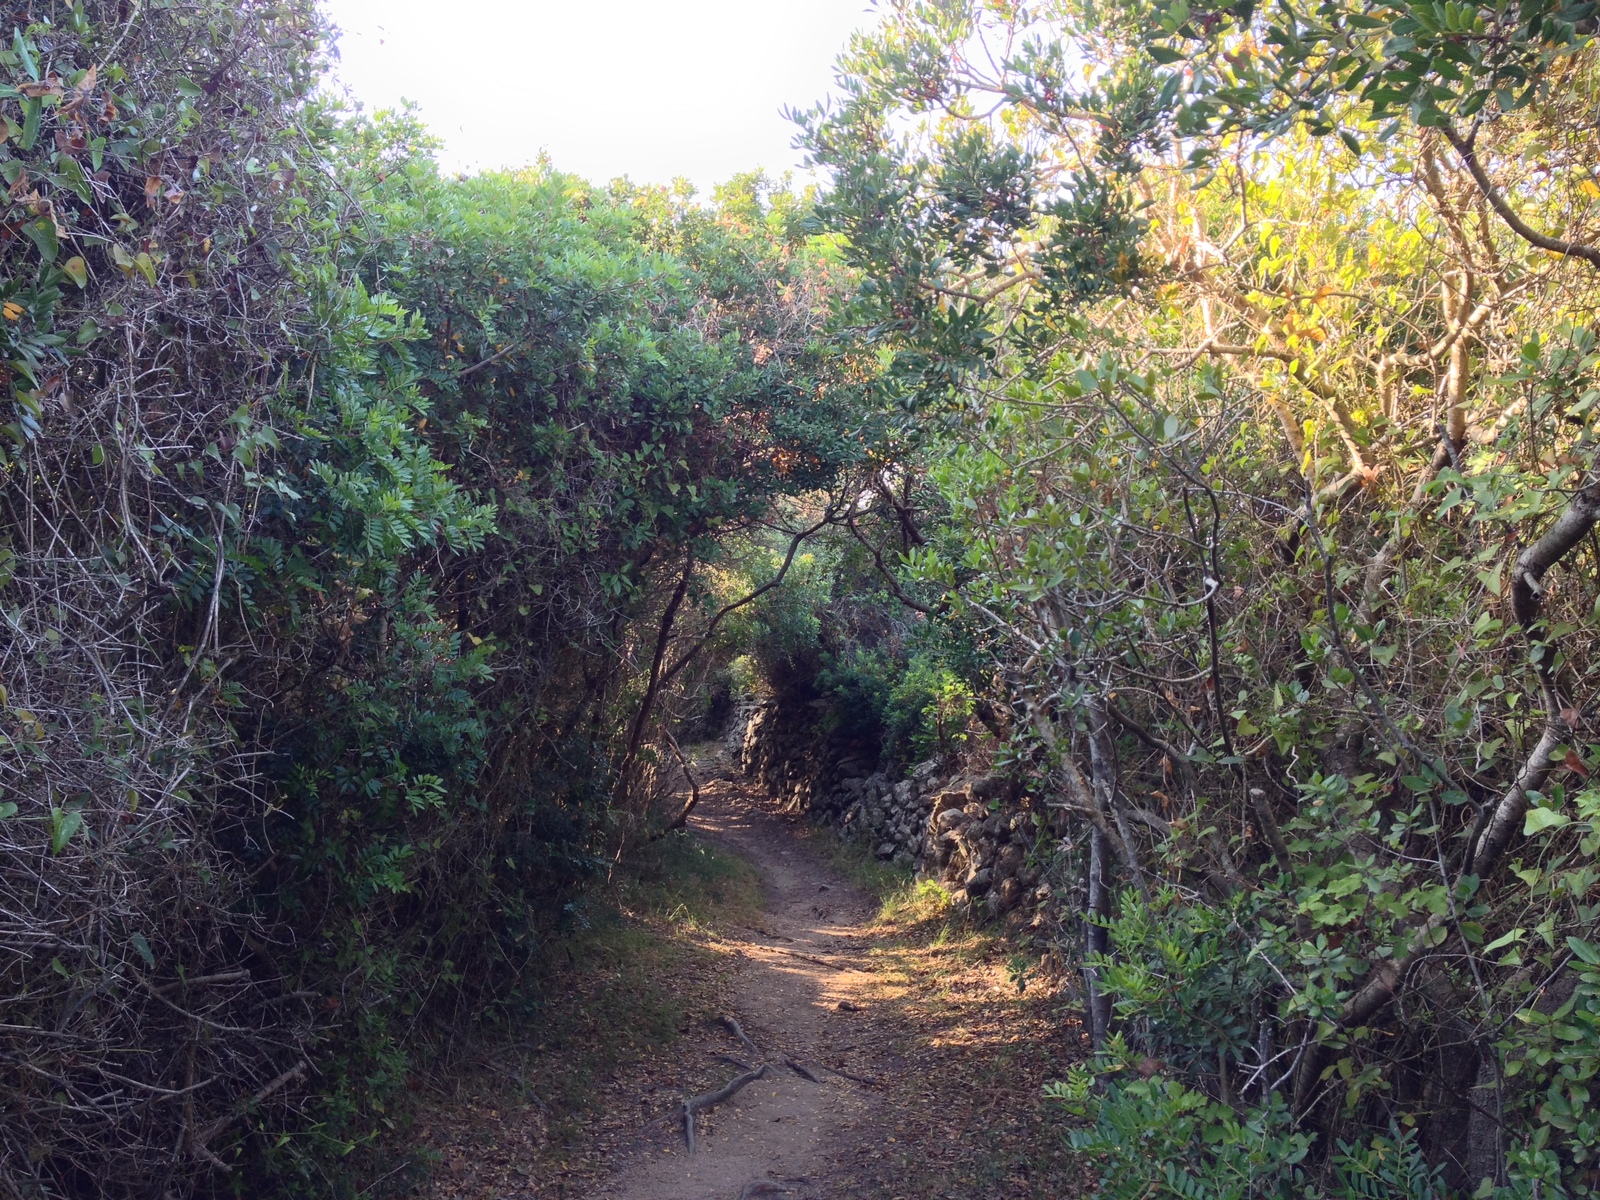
929 1061
801 993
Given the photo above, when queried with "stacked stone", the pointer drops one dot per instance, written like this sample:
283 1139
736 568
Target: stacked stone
951 828
782 756
985 856
890 817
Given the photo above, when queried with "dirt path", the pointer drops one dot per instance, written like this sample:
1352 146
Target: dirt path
801 992
930 1060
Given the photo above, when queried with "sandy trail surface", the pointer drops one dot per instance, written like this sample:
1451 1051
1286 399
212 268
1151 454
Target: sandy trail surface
800 994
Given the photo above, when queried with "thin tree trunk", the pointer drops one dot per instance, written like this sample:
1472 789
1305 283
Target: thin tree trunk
1096 939
647 706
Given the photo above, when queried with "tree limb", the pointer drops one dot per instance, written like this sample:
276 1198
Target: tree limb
1464 147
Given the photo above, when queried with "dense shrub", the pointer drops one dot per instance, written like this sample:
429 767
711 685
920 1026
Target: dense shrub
1252 355
342 504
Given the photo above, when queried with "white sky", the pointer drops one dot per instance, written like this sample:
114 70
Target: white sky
651 90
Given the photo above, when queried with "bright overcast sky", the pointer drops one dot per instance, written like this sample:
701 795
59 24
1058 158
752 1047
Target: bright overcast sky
651 89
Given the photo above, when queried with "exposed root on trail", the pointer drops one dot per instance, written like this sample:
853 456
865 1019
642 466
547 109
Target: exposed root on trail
711 1099
800 1069
733 1027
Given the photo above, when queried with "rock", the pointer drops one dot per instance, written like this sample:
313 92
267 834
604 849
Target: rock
923 773
904 791
989 787
885 850
1009 893
949 819
979 882
1009 860
949 802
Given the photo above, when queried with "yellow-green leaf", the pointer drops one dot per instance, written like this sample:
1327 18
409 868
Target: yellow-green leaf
1540 819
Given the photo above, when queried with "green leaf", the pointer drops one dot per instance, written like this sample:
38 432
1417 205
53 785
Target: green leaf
7 810
77 270
32 110
1491 579
72 176
1540 819
42 233
1505 939
1588 951
24 51
143 948
64 822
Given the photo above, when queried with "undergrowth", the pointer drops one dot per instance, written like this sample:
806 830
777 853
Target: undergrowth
633 969
978 1033
883 880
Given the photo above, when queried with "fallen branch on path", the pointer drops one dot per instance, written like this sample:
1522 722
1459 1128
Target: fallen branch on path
810 958
779 937
761 1187
866 1079
711 1099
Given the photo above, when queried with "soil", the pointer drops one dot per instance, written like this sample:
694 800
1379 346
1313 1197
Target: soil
800 993
929 1060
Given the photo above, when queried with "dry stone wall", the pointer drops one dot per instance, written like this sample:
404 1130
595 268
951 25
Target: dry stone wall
974 833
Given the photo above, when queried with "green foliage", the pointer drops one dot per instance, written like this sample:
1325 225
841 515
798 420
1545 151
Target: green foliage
915 705
1154 1136
1225 448
363 486
1556 1055
89 148
1436 64
929 709
1192 976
